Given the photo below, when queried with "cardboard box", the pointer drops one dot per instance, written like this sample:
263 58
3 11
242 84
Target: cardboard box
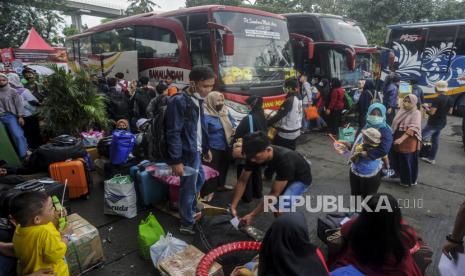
185 264
85 248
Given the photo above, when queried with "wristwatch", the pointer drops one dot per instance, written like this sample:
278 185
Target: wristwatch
450 239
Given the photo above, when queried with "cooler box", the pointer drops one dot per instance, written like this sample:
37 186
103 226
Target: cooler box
185 263
85 248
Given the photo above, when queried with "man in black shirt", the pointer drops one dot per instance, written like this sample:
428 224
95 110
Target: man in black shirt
293 173
438 112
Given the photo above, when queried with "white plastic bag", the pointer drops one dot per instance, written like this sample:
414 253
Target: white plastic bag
166 246
120 197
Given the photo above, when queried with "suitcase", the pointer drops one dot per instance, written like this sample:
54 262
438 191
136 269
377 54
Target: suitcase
149 190
93 153
46 184
76 173
7 150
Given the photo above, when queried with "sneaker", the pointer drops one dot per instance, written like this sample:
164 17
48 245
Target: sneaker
415 184
404 185
427 160
187 230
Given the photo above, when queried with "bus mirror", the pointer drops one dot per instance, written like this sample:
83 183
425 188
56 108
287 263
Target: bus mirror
311 49
350 59
228 44
391 60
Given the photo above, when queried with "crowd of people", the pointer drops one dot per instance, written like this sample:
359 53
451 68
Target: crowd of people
200 129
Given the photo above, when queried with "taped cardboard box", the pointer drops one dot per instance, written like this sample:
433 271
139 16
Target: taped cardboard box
85 248
185 264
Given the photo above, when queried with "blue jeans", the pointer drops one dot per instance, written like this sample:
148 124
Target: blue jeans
295 188
190 187
305 122
432 133
11 123
7 266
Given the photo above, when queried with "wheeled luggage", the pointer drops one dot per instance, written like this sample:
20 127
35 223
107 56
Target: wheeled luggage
75 172
150 191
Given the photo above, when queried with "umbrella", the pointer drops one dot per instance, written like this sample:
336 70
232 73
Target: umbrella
41 70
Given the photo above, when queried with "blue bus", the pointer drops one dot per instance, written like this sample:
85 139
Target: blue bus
430 52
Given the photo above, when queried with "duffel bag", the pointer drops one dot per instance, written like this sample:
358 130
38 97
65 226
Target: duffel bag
214 231
331 222
103 146
59 149
122 144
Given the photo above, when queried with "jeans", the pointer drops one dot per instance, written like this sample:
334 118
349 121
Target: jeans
432 133
305 122
7 266
11 123
295 188
190 187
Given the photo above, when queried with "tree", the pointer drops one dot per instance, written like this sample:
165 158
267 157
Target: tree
70 30
18 16
106 20
141 6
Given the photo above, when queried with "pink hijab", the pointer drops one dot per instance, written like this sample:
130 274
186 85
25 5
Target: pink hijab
409 119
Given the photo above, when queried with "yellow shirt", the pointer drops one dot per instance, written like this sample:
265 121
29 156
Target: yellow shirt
39 247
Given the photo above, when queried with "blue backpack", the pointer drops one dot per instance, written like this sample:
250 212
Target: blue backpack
122 144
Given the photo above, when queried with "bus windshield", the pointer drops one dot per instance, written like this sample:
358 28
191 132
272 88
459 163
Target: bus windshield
336 29
262 52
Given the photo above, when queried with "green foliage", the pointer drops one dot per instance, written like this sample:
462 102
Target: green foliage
140 6
72 103
18 16
106 20
70 30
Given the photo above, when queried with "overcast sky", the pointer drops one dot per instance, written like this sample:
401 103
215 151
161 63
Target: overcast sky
166 5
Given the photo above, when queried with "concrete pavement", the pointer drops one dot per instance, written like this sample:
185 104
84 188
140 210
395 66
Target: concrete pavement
441 189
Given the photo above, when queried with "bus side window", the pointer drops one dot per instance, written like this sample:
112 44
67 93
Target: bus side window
460 42
153 42
84 48
438 49
101 42
70 49
199 39
122 39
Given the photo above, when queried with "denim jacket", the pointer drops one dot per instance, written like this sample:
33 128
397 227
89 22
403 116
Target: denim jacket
181 129
216 137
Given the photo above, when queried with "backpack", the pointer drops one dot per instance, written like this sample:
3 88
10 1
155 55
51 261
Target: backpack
154 139
374 98
348 102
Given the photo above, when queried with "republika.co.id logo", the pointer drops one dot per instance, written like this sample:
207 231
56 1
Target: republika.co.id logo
332 203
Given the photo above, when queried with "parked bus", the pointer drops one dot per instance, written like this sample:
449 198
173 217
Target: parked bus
341 49
248 49
430 52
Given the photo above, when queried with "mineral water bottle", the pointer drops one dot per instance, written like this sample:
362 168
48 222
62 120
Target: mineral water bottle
163 169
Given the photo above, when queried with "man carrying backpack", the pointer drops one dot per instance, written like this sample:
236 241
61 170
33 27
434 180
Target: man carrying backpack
187 140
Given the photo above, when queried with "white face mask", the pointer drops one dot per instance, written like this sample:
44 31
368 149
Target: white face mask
320 84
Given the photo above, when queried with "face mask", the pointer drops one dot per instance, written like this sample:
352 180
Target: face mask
314 82
375 120
320 84
407 106
197 95
219 107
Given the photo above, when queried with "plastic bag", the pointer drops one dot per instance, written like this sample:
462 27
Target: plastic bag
149 232
165 247
91 138
311 113
120 196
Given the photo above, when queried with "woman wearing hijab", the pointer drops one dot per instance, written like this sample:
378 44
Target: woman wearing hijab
287 250
259 123
407 138
367 182
220 127
31 119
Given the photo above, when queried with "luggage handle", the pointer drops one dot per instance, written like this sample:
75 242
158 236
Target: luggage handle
34 186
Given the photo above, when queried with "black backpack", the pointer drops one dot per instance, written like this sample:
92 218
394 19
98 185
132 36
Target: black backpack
153 142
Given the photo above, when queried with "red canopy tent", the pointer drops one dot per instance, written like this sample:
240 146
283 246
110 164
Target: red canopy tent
35 42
